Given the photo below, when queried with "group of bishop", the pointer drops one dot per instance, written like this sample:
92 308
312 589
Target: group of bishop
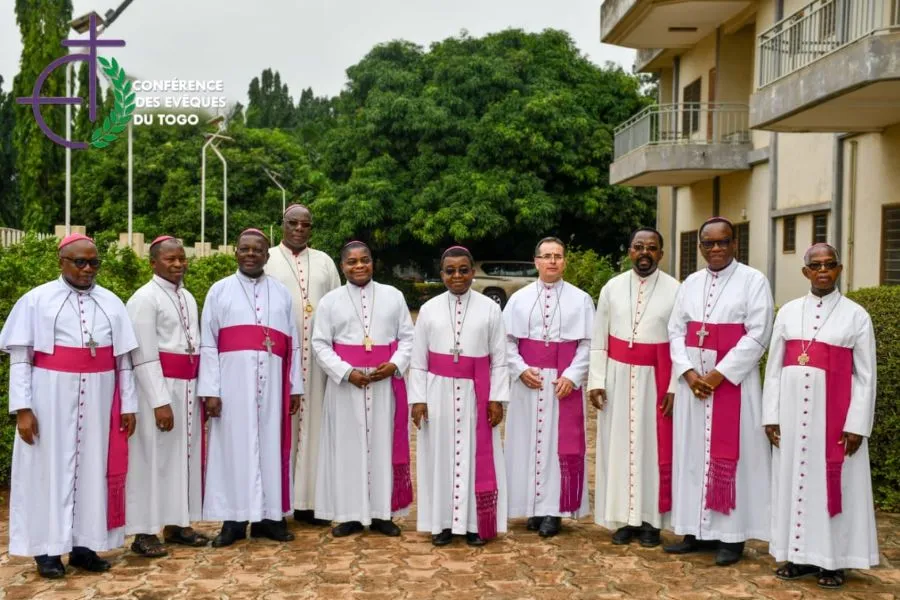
293 395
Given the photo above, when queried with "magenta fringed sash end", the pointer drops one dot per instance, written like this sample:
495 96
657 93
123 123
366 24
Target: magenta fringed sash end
833 488
115 498
486 507
665 488
402 494
571 472
721 492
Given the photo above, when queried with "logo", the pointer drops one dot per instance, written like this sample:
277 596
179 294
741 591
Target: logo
114 123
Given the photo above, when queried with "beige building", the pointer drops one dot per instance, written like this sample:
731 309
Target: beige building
781 115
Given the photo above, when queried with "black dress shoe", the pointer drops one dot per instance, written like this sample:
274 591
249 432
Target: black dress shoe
550 526
50 567
534 523
232 531
386 527
84 558
443 538
348 528
728 554
473 539
649 536
303 516
691 544
623 535
274 530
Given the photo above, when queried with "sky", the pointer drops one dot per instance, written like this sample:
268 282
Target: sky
310 42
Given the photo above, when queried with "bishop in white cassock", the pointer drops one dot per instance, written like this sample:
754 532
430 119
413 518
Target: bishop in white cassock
72 390
309 274
251 384
164 477
363 338
548 332
632 385
719 328
458 383
818 408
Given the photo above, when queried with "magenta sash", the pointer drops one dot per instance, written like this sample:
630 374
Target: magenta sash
79 360
359 357
239 338
725 442
658 357
837 362
571 444
478 369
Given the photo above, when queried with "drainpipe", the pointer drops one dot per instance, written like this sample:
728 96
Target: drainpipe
837 202
716 195
851 212
773 183
673 234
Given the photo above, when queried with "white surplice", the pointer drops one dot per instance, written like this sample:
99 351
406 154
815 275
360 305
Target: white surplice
558 312
243 464
735 294
308 275
442 505
794 398
627 474
58 492
355 471
164 476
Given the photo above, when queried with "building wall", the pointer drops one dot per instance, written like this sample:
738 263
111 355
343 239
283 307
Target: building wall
805 167
664 226
789 281
696 63
735 70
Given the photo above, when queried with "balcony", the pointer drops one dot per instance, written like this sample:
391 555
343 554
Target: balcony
680 144
664 23
832 66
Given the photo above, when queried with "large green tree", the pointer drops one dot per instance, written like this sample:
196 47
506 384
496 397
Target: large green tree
490 141
271 104
43 24
9 198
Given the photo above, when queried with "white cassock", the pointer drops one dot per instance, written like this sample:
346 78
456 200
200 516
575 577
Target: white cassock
244 446
736 294
446 492
355 475
558 312
794 397
58 494
308 275
637 310
164 476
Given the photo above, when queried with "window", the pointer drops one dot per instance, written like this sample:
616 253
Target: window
688 258
690 114
890 245
742 235
789 235
820 228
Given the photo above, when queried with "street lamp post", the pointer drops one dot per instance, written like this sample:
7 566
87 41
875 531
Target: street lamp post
211 138
215 148
272 175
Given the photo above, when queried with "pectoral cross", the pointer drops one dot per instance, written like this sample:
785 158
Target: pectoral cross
268 344
93 346
368 343
546 340
702 333
455 351
803 359
309 306
190 351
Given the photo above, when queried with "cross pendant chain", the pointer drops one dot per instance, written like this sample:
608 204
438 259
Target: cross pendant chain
268 344
702 333
93 346
546 340
368 343
455 351
190 351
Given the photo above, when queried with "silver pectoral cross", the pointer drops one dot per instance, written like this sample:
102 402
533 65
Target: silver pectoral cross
546 340
702 333
93 346
190 351
455 351
268 344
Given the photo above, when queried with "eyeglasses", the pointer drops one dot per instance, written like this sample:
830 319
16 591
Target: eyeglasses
551 257
450 271
641 248
708 244
81 263
819 266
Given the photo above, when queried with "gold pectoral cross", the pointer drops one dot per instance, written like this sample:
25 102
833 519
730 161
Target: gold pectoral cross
268 343
309 306
368 343
803 359
702 333
93 346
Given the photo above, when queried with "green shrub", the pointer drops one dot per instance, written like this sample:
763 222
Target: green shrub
590 272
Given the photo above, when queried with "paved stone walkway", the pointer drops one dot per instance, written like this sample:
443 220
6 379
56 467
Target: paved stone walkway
581 563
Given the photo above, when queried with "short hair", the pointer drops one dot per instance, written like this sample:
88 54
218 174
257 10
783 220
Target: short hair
649 230
455 252
292 207
818 246
550 238
156 248
716 220
352 246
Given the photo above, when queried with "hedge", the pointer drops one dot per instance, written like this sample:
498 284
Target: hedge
33 262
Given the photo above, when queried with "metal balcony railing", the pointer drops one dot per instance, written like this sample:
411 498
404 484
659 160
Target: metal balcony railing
817 30
685 123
